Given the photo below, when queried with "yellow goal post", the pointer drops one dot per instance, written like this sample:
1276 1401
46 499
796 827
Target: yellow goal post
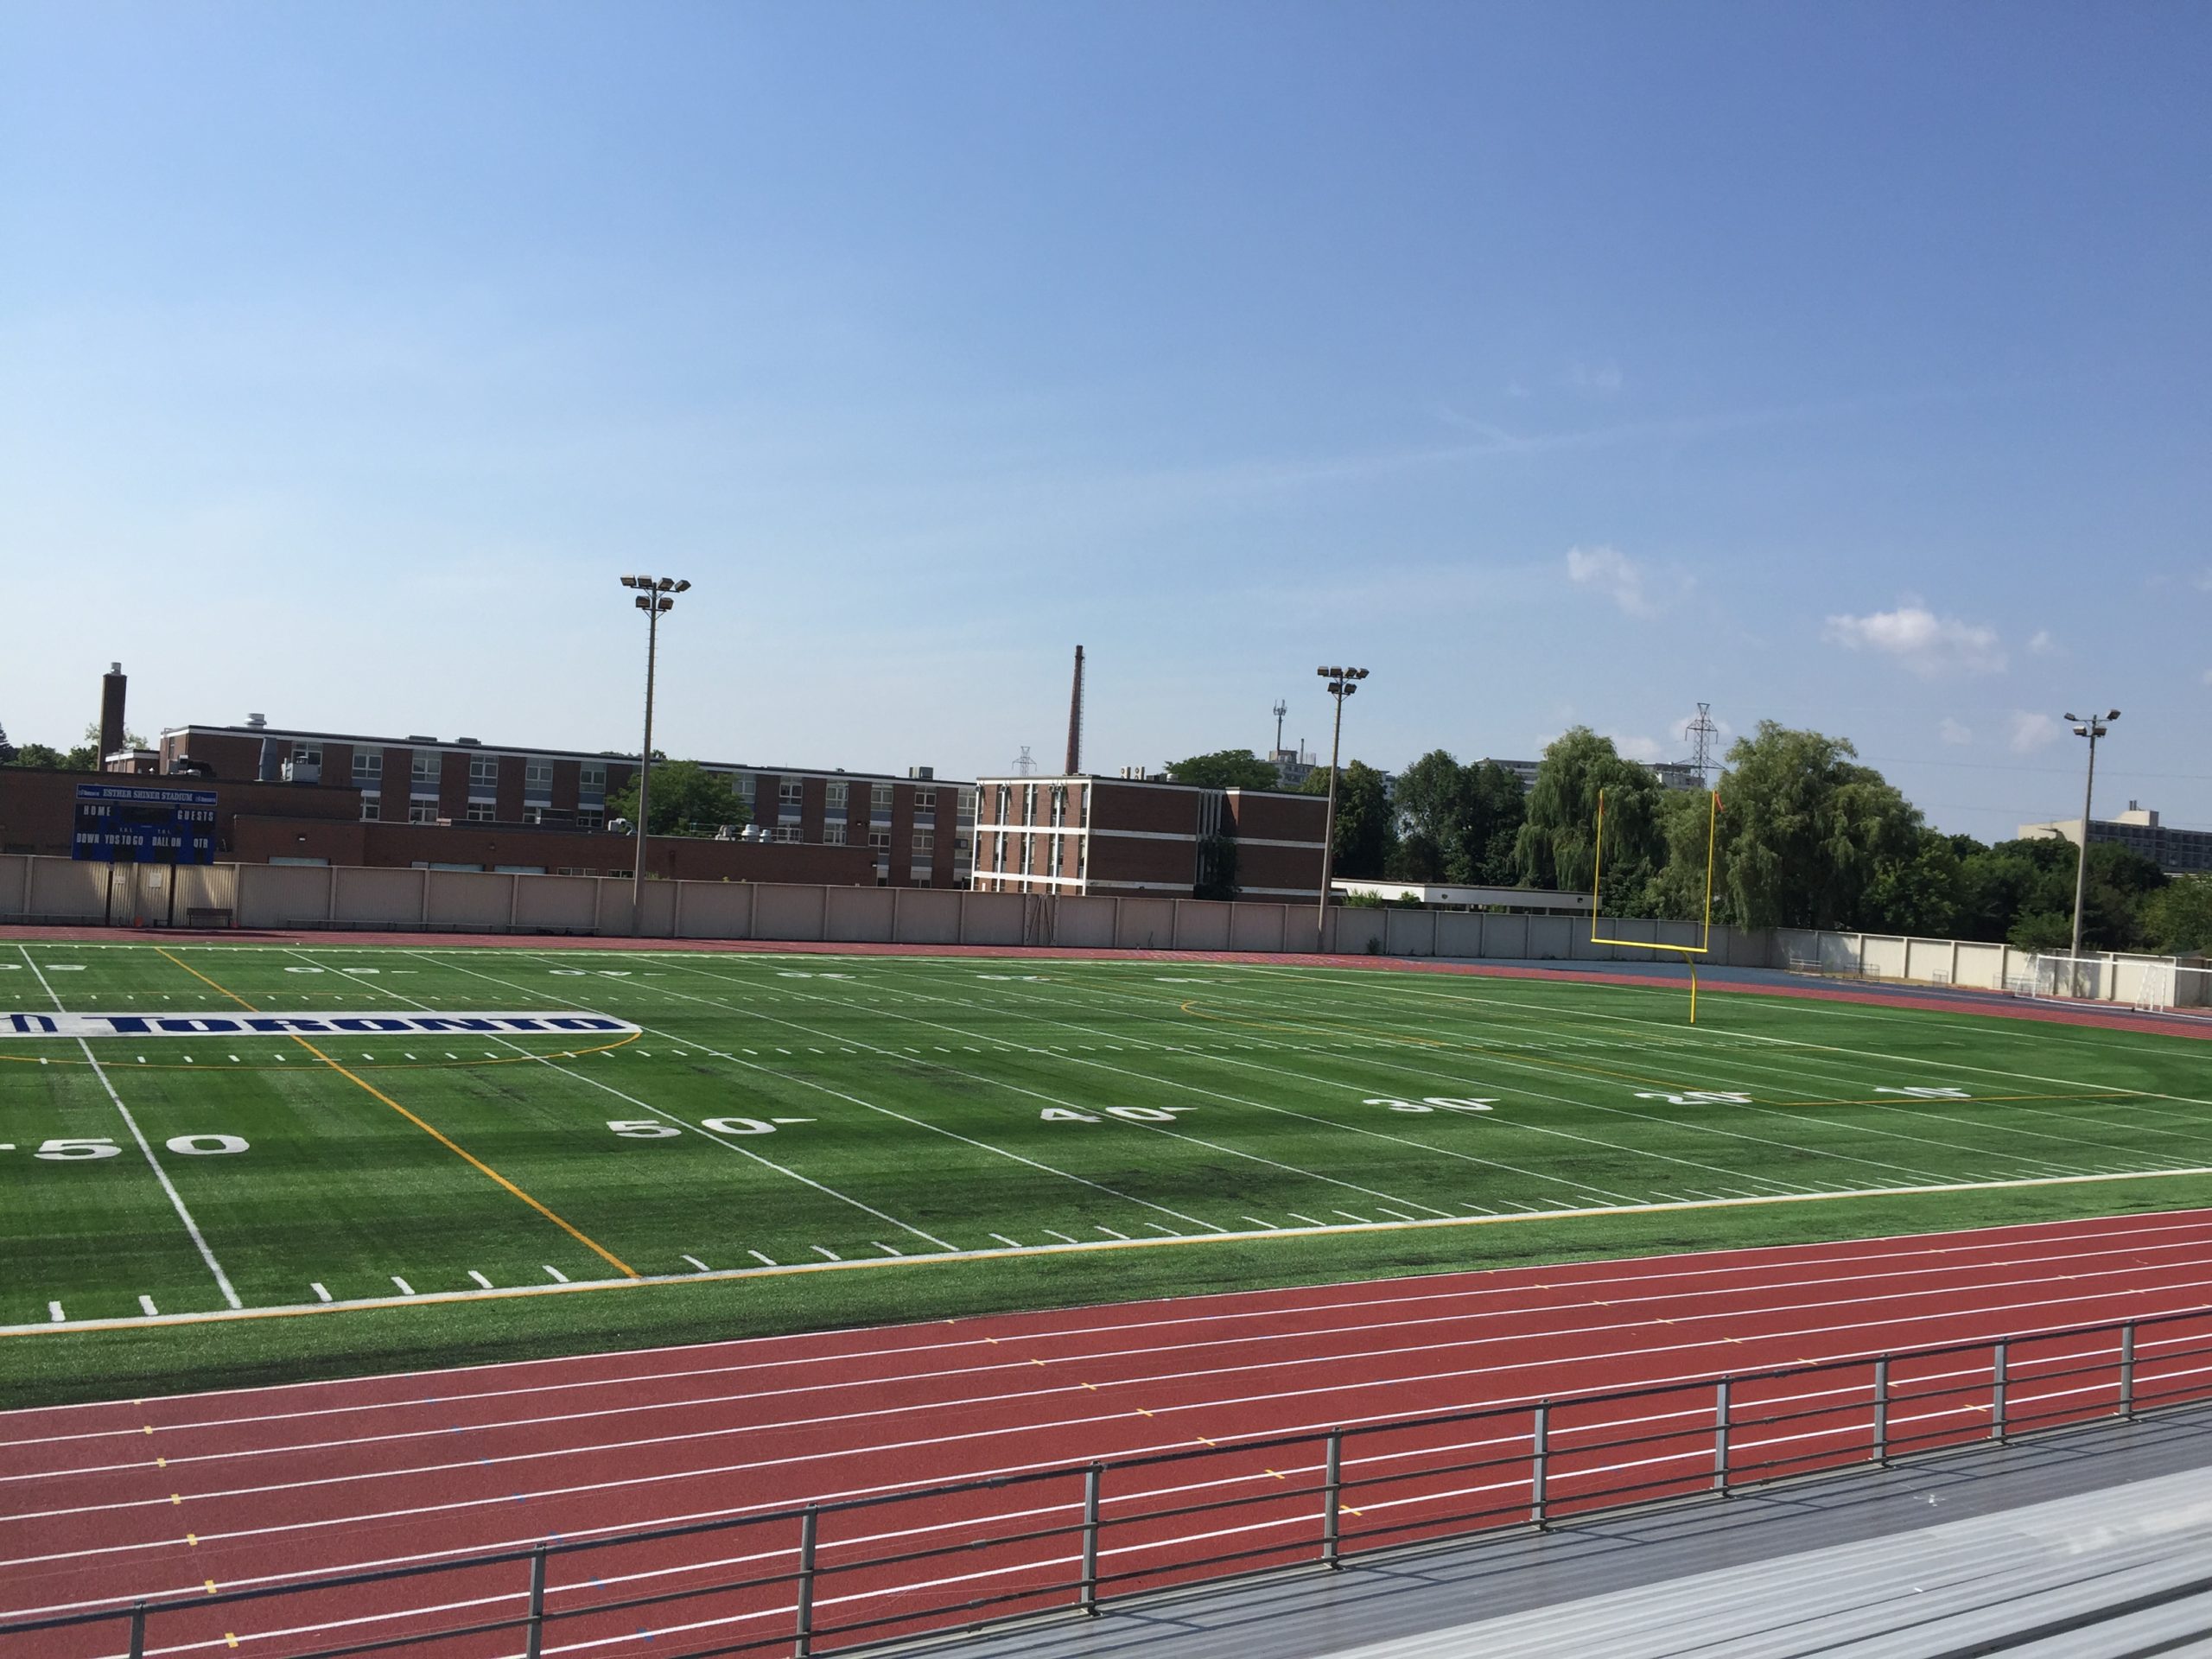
1689 953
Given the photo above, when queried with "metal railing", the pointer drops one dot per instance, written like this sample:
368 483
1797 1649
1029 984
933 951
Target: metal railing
839 1575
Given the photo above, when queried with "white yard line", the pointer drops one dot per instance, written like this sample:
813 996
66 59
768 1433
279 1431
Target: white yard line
176 1199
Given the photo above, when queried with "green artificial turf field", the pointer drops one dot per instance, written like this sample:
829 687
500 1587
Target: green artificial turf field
1052 1131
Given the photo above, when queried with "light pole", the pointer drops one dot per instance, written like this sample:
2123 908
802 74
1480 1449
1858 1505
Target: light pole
655 596
1343 682
2093 728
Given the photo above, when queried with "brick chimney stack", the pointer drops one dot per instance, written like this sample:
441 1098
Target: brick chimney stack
111 727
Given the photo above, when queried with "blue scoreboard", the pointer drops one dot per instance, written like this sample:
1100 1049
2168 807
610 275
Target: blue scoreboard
132 823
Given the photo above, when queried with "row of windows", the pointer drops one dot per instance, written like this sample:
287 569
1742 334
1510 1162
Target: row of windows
478 812
1056 801
1057 860
536 775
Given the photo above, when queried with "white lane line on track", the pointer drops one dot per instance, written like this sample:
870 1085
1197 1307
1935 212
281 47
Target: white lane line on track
1659 1417
782 1389
176 1200
847 1448
2124 1234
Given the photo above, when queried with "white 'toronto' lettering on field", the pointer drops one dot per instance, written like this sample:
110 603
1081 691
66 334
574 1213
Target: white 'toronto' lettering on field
381 1023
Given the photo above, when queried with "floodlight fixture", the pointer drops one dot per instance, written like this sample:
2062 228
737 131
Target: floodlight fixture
653 599
2093 728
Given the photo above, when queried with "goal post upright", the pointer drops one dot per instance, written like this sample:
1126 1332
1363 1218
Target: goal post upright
1689 953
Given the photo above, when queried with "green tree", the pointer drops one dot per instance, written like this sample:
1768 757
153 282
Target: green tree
1556 846
1919 893
2177 919
687 800
1805 830
1226 769
86 756
1455 823
42 754
1365 836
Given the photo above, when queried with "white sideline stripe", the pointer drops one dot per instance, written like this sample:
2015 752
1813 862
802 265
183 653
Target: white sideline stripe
1372 1330
1318 1230
2125 1232
176 1201
905 1409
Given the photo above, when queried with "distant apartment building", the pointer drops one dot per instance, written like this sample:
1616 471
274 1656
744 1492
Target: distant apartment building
1131 836
2176 851
1671 774
920 831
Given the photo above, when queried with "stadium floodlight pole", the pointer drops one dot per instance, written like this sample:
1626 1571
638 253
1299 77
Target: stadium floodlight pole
1343 682
2092 727
655 598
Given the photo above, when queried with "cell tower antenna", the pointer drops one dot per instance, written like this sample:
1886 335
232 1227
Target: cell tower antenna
1704 737
1075 720
1024 765
1281 708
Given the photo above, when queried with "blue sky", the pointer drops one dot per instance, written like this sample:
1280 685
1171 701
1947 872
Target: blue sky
1845 366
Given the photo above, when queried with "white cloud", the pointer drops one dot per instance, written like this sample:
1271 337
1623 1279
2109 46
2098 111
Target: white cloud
2041 642
1609 571
1928 645
2208 676
2033 732
1953 732
1597 379
1646 749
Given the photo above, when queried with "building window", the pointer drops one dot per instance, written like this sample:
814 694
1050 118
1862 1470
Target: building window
367 764
787 792
533 815
591 818
425 768
422 812
306 754
1029 802
1025 855
960 844
592 779
881 839
833 835
998 854
1059 844
924 841
483 769
481 812
833 795
787 832
920 878
1002 792
538 774
370 808
879 800
926 800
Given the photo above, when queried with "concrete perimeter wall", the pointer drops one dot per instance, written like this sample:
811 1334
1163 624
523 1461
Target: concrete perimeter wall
335 896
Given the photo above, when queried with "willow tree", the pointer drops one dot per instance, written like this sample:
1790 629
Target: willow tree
1557 846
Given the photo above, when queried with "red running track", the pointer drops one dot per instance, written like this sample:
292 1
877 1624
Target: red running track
102 1503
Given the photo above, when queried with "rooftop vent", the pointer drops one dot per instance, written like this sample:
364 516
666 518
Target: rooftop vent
470 742
255 722
420 737
923 774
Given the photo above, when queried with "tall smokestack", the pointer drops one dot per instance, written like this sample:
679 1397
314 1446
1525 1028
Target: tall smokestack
1075 721
111 727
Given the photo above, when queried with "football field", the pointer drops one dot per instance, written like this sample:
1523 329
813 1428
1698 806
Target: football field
191 1130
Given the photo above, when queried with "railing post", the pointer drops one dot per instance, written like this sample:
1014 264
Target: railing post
1882 1411
1540 1466
1091 1480
534 1640
1332 1485
1720 1423
137 1629
2000 1369
2128 1369
808 1526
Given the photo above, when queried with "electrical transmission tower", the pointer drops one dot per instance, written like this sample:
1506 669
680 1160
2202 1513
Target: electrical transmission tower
1025 766
1705 739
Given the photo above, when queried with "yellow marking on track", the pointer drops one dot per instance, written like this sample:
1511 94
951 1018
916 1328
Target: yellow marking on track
193 1538
176 1498
462 1153
1141 1411
161 1463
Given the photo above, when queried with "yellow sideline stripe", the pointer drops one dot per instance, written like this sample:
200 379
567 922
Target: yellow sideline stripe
1667 1207
462 1153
